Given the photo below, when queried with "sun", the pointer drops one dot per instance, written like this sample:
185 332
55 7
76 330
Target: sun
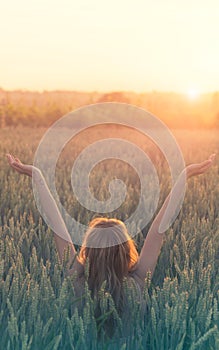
193 94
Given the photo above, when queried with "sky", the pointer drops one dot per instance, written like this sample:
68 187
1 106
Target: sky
99 45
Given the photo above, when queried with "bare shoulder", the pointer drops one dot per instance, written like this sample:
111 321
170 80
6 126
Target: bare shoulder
135 276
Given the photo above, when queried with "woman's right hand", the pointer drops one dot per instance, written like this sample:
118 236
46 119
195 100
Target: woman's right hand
21 168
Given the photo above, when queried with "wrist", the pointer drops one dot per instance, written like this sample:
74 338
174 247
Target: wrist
36 174
189 171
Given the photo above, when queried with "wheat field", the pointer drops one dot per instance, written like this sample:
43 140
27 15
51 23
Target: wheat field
38 304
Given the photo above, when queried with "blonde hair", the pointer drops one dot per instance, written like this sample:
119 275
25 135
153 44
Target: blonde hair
112 261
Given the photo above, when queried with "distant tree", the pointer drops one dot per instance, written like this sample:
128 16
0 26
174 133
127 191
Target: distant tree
114 97
2 113
217 120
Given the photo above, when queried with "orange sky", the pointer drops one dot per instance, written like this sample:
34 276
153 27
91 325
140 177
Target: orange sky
103 45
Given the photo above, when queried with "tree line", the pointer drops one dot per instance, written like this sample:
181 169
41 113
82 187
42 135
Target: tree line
41 109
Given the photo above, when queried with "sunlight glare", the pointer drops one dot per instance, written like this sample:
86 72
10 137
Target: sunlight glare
193 94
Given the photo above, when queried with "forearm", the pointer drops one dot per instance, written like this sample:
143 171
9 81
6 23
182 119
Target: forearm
169 208
154 240
50 209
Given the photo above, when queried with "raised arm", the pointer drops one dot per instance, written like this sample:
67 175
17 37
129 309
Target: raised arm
153 242
49 206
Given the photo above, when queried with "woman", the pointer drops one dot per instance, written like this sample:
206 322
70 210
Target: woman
112 264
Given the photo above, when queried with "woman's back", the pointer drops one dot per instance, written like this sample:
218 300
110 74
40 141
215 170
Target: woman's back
115 320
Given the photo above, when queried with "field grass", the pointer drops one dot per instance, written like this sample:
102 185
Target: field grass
38 302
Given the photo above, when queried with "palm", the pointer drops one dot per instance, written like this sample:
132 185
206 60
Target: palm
21 168
200 168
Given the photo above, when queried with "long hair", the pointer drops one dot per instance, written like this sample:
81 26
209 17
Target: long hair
111 255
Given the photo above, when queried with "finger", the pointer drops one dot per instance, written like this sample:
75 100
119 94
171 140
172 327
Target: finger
18 160
14 161
18 169
212 156
10 158
8 155
204 164
208 161
205 167
18 166
15 166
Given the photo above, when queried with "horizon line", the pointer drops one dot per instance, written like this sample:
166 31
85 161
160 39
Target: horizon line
40 91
